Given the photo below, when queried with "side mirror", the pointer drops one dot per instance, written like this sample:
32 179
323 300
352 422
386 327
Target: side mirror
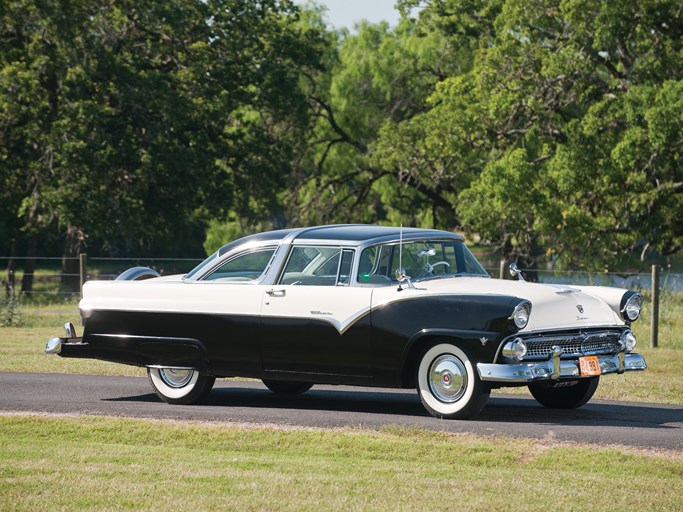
515 272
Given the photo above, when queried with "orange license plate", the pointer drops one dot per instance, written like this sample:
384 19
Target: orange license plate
589 366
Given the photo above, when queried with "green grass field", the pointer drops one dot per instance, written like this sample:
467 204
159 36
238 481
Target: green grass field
86 463
118 464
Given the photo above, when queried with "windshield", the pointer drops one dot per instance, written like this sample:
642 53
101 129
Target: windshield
202 265
425 259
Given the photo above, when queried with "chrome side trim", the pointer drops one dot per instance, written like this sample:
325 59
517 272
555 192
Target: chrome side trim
544 370
167 339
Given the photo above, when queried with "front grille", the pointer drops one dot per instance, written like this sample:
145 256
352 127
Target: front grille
572 345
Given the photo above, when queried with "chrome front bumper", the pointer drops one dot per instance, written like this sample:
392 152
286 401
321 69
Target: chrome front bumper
554 368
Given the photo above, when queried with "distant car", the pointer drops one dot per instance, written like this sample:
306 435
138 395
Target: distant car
335 305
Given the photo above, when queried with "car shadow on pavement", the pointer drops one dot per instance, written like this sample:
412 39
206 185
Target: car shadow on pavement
500 408
597 412
340 400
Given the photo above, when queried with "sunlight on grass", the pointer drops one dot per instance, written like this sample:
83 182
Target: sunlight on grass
93 463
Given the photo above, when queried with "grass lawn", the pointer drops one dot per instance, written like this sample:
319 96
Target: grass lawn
87 463
116 464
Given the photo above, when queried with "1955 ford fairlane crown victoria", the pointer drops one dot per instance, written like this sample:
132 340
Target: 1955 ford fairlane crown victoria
336 305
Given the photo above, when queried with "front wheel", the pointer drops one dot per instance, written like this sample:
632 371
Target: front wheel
285 387
180 386
564 394
448 383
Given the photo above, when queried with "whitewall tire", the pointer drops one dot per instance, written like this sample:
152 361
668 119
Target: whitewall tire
448 383
179 386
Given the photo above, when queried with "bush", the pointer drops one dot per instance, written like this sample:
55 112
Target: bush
10 308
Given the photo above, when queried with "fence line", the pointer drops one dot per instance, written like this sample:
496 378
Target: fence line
651 282
9 258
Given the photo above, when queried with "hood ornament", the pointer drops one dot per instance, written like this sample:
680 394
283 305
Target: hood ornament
580 308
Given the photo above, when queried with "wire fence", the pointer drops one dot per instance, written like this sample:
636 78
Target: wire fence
42 279
47 273
642 282
47 279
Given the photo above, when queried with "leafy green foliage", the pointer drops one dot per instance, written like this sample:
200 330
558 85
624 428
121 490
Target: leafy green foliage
134 123
550 129
10 308
563 136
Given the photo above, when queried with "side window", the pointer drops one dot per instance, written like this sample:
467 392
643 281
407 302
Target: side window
374 265
242 268
344 277
313 266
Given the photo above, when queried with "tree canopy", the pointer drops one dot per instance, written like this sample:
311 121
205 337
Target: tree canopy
550 130
131 122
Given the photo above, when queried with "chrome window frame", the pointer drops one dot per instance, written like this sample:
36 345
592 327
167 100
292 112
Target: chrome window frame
337 244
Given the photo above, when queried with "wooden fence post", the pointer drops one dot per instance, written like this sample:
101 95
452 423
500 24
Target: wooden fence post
654 314
83 267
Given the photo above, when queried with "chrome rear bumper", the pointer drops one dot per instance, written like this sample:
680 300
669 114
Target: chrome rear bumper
68 346
555 369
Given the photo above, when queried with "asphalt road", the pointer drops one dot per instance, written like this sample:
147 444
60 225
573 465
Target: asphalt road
641 425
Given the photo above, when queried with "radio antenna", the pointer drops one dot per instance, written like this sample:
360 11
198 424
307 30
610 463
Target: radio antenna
400 247
400 271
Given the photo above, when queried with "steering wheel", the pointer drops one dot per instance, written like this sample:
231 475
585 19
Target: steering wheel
428 269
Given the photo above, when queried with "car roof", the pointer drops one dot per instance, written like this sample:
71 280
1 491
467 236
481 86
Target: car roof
360 233
345 234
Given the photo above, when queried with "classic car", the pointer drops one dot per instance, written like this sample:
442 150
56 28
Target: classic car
336 305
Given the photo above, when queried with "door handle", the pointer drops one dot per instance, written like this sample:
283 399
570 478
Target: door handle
276 293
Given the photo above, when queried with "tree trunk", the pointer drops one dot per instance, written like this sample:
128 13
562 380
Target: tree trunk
74 244
9 282
29 264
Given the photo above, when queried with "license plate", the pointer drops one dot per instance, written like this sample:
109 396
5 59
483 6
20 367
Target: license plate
589 366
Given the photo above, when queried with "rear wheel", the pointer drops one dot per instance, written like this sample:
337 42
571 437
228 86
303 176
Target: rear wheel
180 386
285 387
565 394
448 383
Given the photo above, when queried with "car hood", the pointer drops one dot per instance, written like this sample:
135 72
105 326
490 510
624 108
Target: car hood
552 306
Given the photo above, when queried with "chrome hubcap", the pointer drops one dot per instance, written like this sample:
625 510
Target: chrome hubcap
447 378
176 378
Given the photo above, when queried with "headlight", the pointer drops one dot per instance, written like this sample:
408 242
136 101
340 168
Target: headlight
628 340
520 316
515 349
631 306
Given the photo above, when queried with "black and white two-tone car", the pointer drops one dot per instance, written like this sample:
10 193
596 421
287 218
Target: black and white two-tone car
335 305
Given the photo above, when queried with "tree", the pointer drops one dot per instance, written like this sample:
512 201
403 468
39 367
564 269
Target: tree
132 124
378 74
562 138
